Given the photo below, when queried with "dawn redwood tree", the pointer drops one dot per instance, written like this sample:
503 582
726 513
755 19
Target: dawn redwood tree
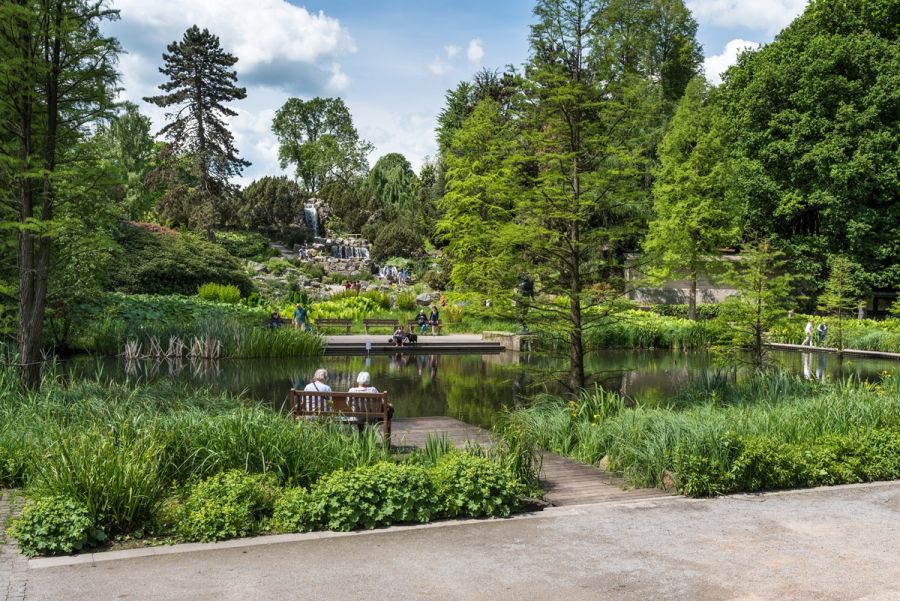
57 76
692 217
841 294
200 83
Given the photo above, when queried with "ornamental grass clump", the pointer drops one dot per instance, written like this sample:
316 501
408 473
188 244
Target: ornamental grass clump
117 478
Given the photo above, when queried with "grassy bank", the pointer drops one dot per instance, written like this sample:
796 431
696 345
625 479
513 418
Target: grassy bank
109 323
170 463
764 432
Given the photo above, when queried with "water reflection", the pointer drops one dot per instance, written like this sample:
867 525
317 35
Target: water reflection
469 387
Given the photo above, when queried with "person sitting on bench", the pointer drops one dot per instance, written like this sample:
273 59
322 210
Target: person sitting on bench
319 384
364 384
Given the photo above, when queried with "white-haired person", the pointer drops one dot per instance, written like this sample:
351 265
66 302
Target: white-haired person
364 384
318 384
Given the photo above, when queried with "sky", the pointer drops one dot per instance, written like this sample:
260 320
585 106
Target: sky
391 62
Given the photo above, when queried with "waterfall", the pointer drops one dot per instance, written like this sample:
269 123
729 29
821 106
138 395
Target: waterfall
390 273
311 216
344 251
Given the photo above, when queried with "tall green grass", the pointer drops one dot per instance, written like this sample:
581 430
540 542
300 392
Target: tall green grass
705 419
118 450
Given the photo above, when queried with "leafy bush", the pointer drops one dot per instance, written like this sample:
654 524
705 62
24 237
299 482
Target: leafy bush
55 524
227 505
373 496
292 512
406 301
278 265
352 307
156 260
474 486
219 293
246 245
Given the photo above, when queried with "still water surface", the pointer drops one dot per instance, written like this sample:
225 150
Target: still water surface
472 388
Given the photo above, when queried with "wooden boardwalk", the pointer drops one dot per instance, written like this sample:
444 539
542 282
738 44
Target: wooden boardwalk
565 481
827 349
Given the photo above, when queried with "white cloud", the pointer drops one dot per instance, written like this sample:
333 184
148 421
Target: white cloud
266 31
769 15
715 65
451 50
475 52
411 134
439 67
338 80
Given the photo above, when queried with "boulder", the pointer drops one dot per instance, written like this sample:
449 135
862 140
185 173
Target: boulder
256 267
423 299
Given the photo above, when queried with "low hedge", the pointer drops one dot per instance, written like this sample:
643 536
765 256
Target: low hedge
732 463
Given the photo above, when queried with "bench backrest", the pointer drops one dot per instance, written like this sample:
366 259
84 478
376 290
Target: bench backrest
349 404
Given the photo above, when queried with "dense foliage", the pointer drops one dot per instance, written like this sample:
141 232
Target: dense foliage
108 459
814 132
156 260
720 436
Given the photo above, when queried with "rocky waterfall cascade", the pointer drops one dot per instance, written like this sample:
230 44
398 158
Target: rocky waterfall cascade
311 216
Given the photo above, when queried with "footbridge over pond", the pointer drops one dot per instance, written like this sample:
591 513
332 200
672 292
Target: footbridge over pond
565 481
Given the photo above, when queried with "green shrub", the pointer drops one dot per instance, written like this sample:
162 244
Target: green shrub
118 479
292 511
156 260
246 245
55 524
369 497
219 293
472 486
228 505
406 301
278 265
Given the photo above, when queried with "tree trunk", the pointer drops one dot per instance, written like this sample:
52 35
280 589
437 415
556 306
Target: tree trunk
692 298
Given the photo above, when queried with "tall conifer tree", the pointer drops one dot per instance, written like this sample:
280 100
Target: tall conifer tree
200 81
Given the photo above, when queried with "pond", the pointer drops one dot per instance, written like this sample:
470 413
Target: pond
472 388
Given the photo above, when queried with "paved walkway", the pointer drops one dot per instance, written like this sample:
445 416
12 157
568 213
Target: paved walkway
821 545
826 349
13 565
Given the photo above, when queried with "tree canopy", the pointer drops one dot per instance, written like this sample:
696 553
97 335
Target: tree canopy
318 138
815 134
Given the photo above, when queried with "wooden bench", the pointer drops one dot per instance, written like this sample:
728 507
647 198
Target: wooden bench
337 323
365 407
415 324
380 323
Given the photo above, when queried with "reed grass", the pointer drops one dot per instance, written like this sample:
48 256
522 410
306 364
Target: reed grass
641 441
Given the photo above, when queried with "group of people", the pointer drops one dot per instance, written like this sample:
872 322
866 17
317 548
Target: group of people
363 384
811 333
403 336
299 320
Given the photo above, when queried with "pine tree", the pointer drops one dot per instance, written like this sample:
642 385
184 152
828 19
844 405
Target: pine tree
200 82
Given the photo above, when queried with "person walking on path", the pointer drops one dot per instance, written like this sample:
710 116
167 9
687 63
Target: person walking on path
822 331
808 330
300 317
